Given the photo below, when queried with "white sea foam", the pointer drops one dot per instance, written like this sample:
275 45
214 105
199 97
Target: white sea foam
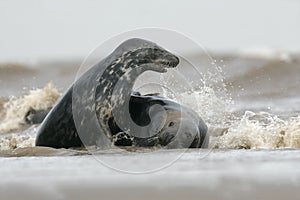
17 140
260 130
14 110
211 100
250 131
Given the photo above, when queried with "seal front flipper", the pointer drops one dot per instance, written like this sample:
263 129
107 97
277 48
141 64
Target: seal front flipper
122 139
146 142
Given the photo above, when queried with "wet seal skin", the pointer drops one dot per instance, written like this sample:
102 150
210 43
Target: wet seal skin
182 127
91 100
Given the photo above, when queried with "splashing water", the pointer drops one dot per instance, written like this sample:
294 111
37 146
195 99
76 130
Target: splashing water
261 130
15 109
15 141
252 130
210 99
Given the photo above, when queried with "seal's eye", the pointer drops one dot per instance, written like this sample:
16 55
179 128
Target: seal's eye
171 124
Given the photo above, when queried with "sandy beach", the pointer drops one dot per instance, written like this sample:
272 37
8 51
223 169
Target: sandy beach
222 174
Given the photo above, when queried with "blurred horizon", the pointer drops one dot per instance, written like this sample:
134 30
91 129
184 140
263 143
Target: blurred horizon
36 30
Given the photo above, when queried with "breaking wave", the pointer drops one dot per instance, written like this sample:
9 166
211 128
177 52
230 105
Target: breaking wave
247 102
14 109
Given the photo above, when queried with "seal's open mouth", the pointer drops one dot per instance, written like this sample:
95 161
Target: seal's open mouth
169 62
165 63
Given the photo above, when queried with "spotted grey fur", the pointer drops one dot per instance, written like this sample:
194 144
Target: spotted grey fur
84 113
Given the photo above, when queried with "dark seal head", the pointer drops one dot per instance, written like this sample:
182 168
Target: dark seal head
177 126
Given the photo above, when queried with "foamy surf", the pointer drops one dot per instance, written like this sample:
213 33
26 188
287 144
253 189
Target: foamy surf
13 110
260 131
252 130
247 102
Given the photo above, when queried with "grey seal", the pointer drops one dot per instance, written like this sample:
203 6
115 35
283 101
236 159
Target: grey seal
182 127
84 114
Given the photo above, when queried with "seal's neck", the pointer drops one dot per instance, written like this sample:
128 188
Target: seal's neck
115 86
119 77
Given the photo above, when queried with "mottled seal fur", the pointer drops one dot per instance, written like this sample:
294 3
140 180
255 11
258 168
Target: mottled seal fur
84 113
182 127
